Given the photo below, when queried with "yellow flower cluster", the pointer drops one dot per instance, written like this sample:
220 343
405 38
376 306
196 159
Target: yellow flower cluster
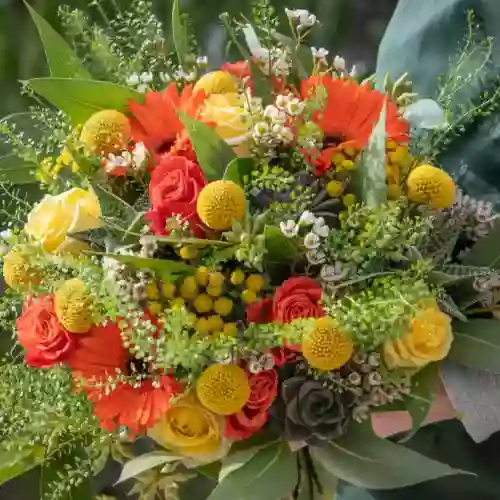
325 346
220 203
399 162
17 271
431 186
74 307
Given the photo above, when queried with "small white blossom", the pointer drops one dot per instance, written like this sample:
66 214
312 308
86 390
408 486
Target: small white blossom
286 135
307 218
133 79
289 228
306 19
282 101
261 129
354 71
180 74
146 77
316 257
202 61
118 161
274 114
295 107
339 64
292 14
320 53
320 228
165 77
266 361
139 154
6 234
311 241
331 273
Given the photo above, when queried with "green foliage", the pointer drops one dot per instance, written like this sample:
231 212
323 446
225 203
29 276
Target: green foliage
63 62
486 251
279 247
180 34
213 153
15 170
367 461
143 463
239 169
476 344
80 99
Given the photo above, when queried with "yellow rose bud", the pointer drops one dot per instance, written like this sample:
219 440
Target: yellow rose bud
223 306
189 429
217 82
428 339
255 282
237 277
232 120
56 217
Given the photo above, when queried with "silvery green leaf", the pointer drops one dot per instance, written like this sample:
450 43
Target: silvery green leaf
143 463
426 114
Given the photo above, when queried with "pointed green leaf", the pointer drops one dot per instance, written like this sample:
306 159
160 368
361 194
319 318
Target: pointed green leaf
143 463
80 99
15 170
370 178
279 247
180 34
367 461
448 306
476 344
14 463
238 169
196 242
61 59
486 252
271 474
213 153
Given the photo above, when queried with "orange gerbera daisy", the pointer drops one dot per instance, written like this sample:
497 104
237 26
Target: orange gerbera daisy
156 122
351 111
99 356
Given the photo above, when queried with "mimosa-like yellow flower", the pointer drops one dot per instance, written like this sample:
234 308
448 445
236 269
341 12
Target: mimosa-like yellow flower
17 270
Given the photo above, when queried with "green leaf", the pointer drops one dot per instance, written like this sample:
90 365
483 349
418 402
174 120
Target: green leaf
62 61
327 481
195 242
448 305
370 178
301 56
452 274
238 169
16 170
367 461
180 34
419 401
165 269
13 463
143 463
112 205
213 153
279 247
476 344
80 99
486 252
271 474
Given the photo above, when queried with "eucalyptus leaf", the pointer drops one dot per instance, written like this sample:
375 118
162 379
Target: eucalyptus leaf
80 99
279 247
16 170
212 152
235 461
146 462
426 114
112 205
448 305
476 344
486 252
367 461
61 59
180 34
271 474
370 178
16 462
238 169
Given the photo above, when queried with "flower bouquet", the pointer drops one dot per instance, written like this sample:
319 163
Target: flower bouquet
242 265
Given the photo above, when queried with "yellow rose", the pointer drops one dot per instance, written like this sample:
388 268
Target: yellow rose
231 119
428 339
55 217
190 430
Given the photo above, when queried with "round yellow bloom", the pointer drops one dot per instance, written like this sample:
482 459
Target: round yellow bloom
201 274
335 189
217 82
74 306
230 329
394 192
223 306
56 217
237 277
428 339
106 131
189 288
177 303
168 290
152 292
188 253
348 165
248 296
17 271
203 303
232 120
216 279
220 203
326 347
189 429
214 291
203 326
349 200
155 307
215 323
431 186
223 389
255 282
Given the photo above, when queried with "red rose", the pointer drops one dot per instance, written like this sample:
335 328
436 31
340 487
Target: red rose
297 298
173 190
260 312
45 341
254 415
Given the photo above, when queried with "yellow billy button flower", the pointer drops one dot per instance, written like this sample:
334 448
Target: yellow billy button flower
223 389
215 323
255 282
190 429
188 253
349 200
168 290
74 306
334 189
203 326
216 279
230 329
431 186
152 292
203 303
201 274
428 339
177 303
248 296
17 271
220 203
217 82
223 306
214 291
105 132
237 277
326 347
189 288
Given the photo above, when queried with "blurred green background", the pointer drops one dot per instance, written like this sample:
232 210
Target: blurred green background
352 28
